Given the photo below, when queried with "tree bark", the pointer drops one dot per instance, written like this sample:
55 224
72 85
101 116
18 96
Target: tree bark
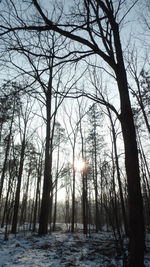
45 204
39 174
136 220
17 195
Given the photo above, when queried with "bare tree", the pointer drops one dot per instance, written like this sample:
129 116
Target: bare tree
24 119
99 23
73 140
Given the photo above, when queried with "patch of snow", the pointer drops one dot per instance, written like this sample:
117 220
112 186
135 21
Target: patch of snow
61 249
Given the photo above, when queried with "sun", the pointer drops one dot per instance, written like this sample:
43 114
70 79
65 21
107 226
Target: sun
79 165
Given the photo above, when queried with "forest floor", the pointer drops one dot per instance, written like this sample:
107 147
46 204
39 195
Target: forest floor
62 248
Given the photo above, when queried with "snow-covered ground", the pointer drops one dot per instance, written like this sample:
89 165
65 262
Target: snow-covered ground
61 249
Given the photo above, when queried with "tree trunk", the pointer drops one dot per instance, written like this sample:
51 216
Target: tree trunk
97 224
84 201
17 196
25 198
114 202
136 220
73 194
55 205
45 205
47 184
39 174
44 213
118 174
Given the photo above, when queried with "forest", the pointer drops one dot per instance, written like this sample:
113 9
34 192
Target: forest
74 133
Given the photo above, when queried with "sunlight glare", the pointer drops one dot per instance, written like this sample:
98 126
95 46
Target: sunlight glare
79 165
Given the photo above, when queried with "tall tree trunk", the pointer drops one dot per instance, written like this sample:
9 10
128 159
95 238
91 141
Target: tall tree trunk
84 202
73 193
96 186
56 186
17 195
39 174
118 174
45 205
25 198
84 180
114 202
136 220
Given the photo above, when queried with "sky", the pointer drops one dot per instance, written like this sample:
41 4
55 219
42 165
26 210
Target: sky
132 38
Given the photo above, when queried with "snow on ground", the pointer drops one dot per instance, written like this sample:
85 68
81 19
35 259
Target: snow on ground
61 249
